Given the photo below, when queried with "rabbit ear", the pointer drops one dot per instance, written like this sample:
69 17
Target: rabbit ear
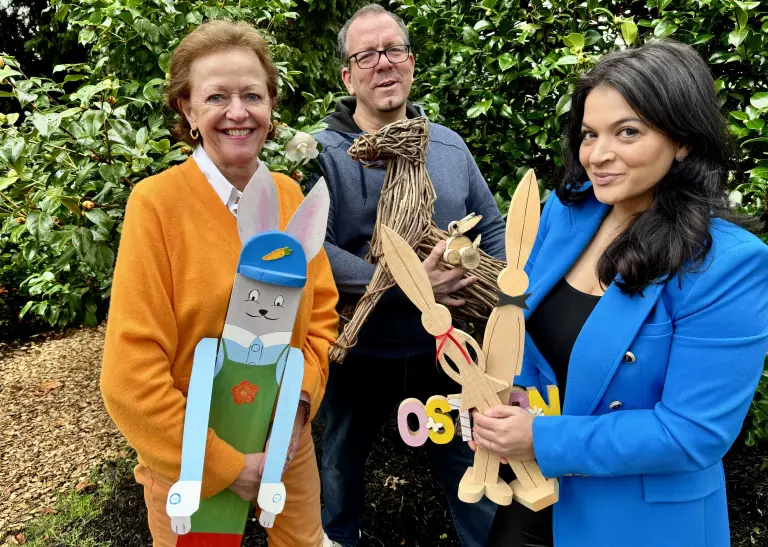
257 211
309 222
407 270
522 221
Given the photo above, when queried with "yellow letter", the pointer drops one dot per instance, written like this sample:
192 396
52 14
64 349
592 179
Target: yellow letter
535 400
438 410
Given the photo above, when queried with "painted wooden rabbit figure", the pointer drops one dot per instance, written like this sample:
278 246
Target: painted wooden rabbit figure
235 382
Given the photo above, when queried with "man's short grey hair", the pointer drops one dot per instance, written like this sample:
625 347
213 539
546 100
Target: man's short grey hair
370 8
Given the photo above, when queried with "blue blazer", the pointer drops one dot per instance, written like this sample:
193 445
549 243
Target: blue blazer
658 388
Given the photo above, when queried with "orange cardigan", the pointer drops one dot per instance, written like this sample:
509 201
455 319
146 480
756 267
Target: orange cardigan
174 274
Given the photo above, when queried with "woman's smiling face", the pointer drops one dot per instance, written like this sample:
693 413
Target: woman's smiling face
230 106
624 158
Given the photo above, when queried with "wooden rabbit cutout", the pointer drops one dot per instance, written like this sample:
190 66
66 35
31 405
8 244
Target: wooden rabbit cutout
505 338
487 380
479 390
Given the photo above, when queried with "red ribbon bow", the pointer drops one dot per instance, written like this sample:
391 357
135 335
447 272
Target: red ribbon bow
443 339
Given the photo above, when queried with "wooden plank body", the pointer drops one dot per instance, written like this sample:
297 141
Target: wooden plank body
504 339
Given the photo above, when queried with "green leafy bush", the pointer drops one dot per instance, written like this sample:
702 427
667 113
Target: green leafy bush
501 73
81 138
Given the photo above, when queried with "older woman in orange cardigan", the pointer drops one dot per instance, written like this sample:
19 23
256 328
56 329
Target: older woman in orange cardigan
174 274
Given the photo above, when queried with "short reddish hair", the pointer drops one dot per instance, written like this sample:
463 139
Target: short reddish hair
208 38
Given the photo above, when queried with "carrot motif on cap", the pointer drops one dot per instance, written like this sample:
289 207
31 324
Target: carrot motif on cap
277 254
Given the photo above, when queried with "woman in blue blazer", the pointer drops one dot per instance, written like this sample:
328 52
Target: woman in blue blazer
648 309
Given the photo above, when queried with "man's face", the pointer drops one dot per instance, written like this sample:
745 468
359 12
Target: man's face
385 87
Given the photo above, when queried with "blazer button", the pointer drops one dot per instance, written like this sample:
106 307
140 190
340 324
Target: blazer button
629 357
615 405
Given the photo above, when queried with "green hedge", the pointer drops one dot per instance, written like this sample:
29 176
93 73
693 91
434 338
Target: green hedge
501 73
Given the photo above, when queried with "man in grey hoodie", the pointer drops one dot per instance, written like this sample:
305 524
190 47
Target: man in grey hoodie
394 357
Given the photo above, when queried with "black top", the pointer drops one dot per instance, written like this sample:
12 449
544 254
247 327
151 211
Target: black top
555 325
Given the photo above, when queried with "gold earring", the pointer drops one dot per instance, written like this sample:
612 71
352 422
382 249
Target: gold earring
271 126
194 133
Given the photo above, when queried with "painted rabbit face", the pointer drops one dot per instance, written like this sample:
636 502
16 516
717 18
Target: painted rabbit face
266 299
262 308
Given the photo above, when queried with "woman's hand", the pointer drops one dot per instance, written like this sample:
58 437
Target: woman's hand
506 431
247 484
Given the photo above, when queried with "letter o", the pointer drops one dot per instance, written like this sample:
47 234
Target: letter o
412 438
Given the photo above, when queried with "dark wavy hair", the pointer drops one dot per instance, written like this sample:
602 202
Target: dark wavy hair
671 89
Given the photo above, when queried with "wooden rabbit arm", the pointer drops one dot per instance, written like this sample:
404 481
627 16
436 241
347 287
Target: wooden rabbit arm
448 369
453 344
466 340
503 344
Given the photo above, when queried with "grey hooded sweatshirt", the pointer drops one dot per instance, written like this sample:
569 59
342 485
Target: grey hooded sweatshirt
394 328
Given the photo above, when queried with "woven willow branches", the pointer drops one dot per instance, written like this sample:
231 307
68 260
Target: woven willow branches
406 206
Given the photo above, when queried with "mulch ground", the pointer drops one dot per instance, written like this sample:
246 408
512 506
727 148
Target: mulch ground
53 425
54 430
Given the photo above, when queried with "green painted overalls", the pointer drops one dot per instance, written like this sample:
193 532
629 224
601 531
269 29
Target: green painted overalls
242 402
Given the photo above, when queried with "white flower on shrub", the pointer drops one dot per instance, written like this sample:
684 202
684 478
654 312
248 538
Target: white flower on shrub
301 148
734 198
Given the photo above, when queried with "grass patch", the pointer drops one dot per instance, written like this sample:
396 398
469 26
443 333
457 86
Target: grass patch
88 518
69 526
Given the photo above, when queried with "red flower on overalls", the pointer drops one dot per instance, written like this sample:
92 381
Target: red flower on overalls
244 392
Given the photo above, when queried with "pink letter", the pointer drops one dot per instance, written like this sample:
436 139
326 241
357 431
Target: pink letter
519 398
412 438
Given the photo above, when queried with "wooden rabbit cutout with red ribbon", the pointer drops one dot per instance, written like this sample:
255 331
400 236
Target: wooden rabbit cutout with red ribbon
478 389
486 378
